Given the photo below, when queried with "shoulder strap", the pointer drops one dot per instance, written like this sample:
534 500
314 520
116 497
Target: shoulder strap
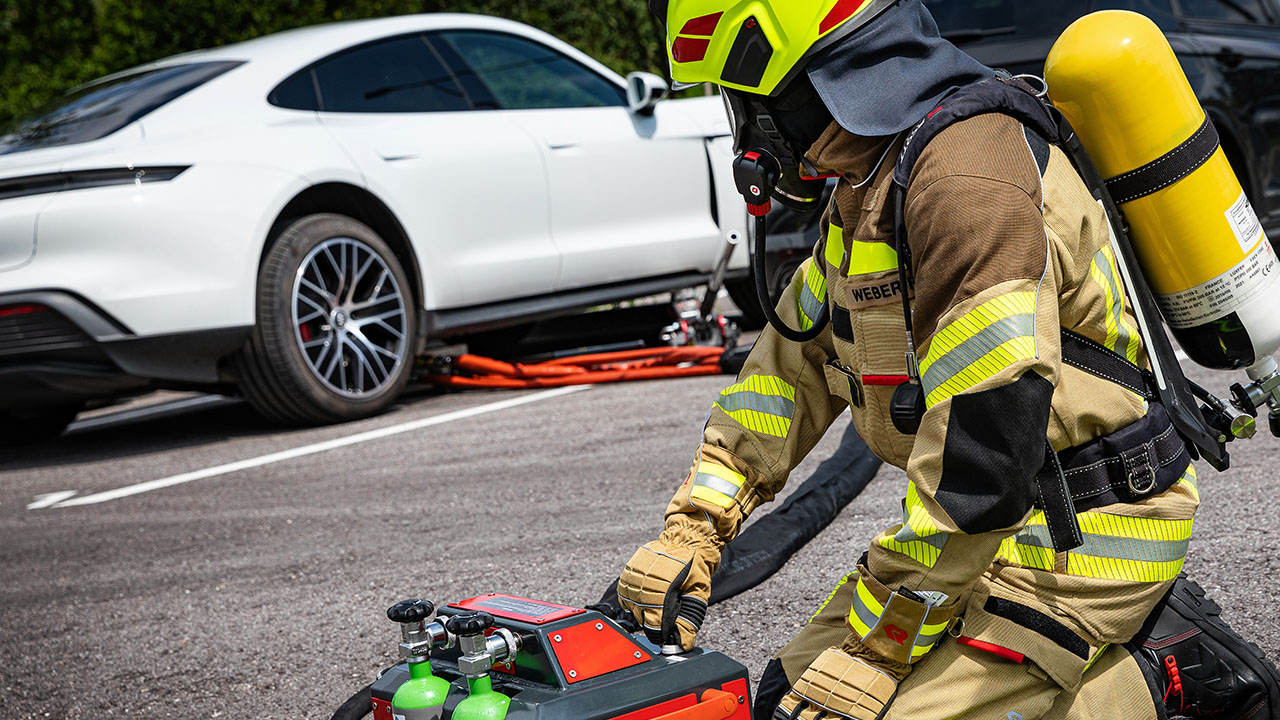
1006 96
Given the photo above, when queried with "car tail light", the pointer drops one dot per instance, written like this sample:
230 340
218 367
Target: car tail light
85 179
27 309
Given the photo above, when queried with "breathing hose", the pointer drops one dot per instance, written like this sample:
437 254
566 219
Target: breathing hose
762 294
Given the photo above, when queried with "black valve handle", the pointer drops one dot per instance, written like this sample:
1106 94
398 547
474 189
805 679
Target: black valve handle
472 623
410 611
1243 401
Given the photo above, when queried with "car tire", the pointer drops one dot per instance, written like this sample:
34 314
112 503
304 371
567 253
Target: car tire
36 424
333 338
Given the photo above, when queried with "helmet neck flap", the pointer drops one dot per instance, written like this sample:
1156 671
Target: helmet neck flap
890 74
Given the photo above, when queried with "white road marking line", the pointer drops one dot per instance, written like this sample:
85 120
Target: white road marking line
47 499
315 448
160 409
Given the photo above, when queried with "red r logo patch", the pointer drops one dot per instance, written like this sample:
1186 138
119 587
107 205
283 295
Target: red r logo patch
896 634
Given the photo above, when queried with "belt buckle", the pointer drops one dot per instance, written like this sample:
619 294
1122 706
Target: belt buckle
1139 469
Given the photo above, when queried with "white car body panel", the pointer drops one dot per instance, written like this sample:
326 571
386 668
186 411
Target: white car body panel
130 249
471 191
629 194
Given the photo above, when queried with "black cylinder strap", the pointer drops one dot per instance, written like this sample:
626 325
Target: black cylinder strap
1168 168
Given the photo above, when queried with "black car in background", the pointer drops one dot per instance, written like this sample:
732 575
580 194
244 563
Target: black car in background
1229 49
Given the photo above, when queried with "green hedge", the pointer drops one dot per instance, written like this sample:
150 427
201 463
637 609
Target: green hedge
48 46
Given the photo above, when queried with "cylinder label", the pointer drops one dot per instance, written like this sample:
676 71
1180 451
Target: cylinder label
1244 223
1226 293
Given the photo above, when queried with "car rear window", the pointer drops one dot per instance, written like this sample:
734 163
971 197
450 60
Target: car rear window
389 76
100 108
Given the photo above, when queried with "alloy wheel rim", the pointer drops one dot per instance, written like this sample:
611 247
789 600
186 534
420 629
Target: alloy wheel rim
349 318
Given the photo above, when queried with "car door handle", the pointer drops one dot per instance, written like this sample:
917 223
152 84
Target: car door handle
392 154
562 143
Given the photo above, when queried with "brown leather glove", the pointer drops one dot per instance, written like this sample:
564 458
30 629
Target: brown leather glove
841 685
666 587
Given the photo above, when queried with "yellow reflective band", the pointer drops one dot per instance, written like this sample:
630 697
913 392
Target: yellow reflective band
715 497
978 345
918 537
918 650
760 403
928 636
1116 547
1129 570
976 320
871 257
812 295
1121 337
716 484
834 252
929 630
865 611
1122 526
721 472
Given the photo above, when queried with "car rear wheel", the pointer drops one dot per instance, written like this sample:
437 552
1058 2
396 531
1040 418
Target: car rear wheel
334 335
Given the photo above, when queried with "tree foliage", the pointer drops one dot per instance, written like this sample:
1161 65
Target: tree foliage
49 46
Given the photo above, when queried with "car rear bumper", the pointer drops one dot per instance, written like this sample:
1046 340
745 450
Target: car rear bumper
56 348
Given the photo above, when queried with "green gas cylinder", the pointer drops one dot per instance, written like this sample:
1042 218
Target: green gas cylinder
422 696
483 702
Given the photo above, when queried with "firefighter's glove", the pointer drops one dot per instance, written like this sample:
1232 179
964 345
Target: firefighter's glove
666 587
838 685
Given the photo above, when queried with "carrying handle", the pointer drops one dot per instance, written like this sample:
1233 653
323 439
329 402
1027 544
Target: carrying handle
714 705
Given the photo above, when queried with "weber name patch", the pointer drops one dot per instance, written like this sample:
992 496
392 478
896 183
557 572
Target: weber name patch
864 291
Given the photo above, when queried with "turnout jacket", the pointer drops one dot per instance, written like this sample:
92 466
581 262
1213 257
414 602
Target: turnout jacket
1008 248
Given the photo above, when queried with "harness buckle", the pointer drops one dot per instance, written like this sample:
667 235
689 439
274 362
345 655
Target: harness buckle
1140 468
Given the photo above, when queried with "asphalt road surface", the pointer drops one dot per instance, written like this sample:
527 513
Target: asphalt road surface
192 561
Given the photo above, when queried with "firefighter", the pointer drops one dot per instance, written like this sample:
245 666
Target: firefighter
1025 357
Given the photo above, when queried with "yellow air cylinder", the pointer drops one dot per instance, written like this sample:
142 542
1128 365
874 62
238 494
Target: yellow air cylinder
1198 240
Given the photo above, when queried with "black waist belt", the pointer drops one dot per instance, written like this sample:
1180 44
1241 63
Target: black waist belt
1143 459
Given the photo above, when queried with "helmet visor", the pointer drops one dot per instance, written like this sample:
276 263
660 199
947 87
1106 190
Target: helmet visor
735 106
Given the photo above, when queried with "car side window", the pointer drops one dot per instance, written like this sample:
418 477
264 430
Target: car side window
524 74
298 92
397 75
970 20
1240 11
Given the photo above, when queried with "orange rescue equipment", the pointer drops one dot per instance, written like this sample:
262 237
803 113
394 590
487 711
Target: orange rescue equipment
643 364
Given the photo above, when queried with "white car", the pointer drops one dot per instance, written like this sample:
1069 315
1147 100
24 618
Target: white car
302 213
